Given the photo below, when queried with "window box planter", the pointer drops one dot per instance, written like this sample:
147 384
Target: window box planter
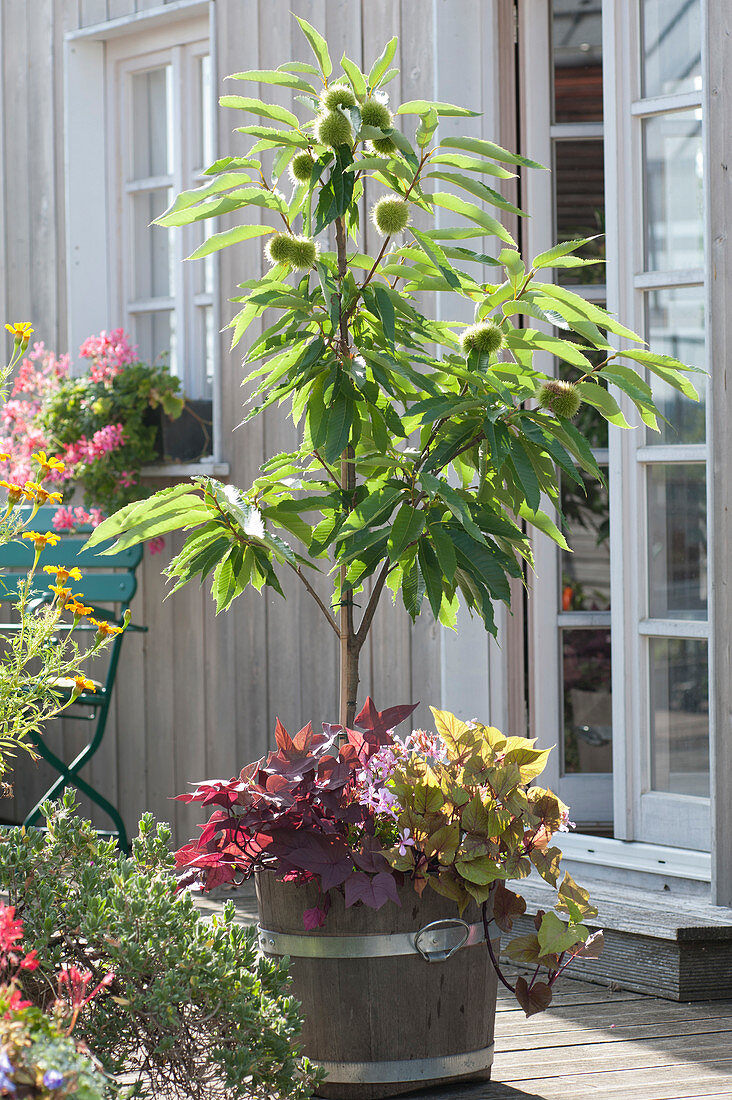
187 438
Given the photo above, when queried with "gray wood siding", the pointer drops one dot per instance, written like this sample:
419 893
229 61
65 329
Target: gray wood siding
197 695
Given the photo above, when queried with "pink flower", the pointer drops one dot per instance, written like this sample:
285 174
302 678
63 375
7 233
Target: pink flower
11 928
127 479
76 982
109 438
63 519
405 841
428 745
388 804
109 353
156 545
68 519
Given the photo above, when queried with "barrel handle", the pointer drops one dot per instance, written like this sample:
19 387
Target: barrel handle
431 953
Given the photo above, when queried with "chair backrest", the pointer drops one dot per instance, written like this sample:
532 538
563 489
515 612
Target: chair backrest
106 578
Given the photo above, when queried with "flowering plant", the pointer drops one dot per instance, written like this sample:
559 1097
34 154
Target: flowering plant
99 423
38 1056
454 810
40 670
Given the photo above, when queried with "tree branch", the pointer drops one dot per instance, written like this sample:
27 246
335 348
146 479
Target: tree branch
477 439
385 245
331 621
372 604
328 470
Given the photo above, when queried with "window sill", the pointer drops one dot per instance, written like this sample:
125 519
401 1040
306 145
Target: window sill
185 469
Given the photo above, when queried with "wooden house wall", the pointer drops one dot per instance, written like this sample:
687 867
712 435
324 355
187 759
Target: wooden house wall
197 695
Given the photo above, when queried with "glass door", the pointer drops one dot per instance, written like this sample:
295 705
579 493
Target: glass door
672 465
659 285
570 612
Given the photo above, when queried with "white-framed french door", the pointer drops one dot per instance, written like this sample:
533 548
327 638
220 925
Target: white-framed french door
656 282
619 632
561 66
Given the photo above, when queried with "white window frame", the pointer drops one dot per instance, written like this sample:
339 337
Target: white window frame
93 272
642 819
589 794
640 813
127 56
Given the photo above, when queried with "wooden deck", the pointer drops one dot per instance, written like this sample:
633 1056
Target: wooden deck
594 1042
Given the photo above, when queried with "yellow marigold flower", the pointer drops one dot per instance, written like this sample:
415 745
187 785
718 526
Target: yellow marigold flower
5 458
63 595
82 684
105 629
15 492
46 464
41 541
63 574
43 496
77 609
31 490
21 330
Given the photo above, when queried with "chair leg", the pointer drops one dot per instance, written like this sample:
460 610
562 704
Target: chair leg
68 776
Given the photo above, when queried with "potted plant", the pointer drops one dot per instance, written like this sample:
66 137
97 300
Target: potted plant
399 850
427 448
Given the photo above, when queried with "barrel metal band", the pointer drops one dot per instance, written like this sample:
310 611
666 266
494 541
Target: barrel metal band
408 1069
438 940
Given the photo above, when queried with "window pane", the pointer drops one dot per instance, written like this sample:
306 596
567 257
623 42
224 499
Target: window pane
156 338
671 46
577 41
589 421
585 581
152 252
677 541
152 147
208 337
674 222
679 716
587 701
579 179
203 152
675 326
203 270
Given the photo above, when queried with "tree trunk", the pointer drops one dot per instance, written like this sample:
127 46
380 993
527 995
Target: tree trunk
349 674
349 648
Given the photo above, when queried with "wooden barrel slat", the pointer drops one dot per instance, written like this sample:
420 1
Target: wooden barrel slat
384 1009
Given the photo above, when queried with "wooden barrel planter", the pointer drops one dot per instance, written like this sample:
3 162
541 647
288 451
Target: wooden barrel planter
389 1005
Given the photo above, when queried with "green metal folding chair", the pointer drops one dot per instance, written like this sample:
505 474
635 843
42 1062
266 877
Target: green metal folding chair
109 584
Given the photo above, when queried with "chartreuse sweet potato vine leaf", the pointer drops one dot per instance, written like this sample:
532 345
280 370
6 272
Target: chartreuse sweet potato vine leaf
429 452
